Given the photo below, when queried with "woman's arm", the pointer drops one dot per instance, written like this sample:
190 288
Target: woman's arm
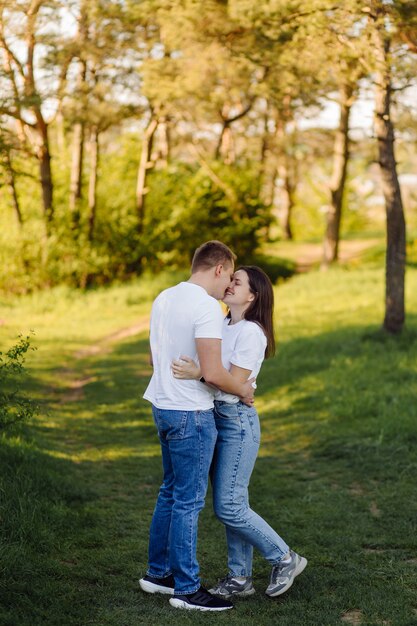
186 368
214 373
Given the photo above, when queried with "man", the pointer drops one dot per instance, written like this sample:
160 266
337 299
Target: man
187 319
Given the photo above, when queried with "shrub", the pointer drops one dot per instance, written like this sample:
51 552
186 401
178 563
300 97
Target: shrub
15 406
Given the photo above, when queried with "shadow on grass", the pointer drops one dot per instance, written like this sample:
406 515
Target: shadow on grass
335 476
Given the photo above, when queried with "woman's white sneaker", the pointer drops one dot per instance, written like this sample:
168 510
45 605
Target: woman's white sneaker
283 574
234 586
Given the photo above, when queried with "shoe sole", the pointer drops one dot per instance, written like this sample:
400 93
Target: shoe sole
238 594
149 587
181 604
300 568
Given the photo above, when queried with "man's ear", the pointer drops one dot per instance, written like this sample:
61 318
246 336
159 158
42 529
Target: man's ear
218 270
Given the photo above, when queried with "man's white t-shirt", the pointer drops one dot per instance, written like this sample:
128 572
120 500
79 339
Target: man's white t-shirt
180 315
243 345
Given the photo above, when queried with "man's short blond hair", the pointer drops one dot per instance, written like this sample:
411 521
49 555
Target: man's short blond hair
210 254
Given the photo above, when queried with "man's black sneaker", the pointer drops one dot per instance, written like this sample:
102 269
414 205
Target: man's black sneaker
200 600
150 584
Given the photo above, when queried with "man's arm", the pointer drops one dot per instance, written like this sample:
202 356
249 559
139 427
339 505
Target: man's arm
213 372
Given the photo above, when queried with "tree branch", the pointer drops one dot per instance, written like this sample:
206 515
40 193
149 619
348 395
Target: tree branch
16 115
9 53
230 120
228 191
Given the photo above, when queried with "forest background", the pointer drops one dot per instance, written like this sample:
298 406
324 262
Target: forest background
132 131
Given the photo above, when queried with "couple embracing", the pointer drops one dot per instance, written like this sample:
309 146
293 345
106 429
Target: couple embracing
204 368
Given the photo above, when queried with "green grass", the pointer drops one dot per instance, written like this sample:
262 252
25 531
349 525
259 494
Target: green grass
335 475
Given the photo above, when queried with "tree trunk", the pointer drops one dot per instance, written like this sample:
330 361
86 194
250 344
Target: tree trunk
92 187
76 166
337 185
268 187
12 185
144 166
225 147
78 142
286 170
396 230
163 143
43 152
60 133
44 157
266 178
287 198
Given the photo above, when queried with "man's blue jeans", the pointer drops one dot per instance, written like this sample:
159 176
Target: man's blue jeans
234 459
187 442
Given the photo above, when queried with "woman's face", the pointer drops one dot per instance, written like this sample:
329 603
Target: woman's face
239 293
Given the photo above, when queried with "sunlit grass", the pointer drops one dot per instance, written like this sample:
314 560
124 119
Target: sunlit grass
86 316
335 474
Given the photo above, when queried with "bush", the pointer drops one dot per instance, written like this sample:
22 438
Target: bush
186 208
14 406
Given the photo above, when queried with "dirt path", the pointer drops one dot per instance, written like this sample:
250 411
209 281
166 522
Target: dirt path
308 255
105 344
75 384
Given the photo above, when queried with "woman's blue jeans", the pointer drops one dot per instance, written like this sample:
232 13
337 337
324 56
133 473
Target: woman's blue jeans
235 454
187 442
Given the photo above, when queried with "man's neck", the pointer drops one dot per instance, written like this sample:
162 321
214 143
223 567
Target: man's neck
201 279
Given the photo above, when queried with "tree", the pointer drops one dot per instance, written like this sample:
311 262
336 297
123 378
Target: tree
6 147
145 164
338 179
23 99
78 138
91 103
381 38
384 27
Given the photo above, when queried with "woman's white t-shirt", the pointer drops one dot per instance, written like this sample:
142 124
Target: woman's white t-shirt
243 344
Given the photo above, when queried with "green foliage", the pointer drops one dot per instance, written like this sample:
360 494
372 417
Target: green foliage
15 406
184 207
255 69
187 208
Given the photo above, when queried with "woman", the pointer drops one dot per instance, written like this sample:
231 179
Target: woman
248 338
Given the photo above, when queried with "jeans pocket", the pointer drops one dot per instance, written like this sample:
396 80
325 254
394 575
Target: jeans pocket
226 410
204 420
171 424
178 427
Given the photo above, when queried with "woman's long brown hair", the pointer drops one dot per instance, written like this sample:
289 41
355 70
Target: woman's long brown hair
261 309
